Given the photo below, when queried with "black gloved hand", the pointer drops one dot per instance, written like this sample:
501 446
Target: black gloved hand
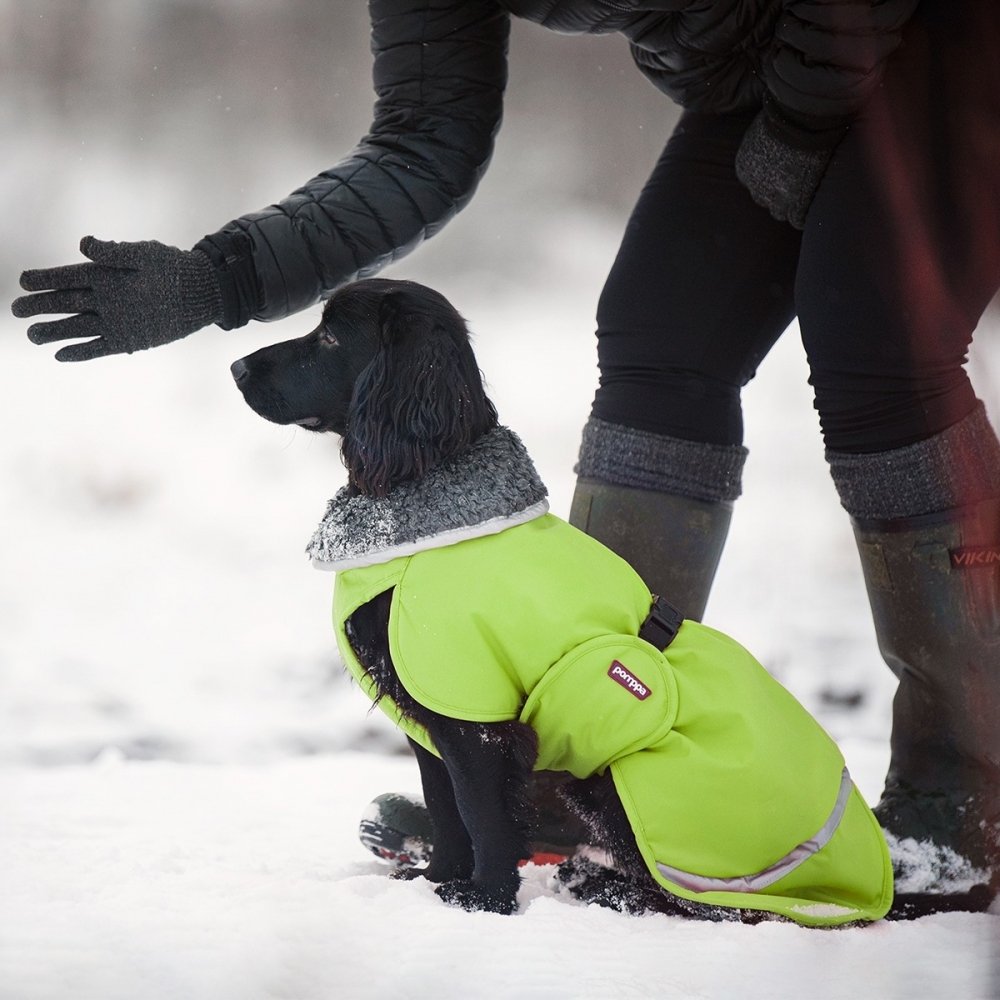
133 296
782 164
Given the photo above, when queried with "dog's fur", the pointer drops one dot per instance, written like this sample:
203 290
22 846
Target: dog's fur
390 369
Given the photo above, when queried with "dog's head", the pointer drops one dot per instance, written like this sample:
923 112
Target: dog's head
390 369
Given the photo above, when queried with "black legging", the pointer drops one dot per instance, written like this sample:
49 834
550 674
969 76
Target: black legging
899 259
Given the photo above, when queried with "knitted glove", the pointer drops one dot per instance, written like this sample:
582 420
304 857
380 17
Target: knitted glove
781 164
132 297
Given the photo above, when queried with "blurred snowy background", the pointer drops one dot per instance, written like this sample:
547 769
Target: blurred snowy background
155 598
156 608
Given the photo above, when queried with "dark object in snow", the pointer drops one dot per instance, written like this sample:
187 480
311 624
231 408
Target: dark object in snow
847 698
591 882
914 905
397 829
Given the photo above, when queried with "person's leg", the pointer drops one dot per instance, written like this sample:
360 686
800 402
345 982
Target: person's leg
700 290
900 257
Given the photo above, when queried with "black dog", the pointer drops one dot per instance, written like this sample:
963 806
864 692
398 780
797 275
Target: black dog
390 369
549 642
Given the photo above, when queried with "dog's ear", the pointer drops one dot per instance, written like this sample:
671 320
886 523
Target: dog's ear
419 400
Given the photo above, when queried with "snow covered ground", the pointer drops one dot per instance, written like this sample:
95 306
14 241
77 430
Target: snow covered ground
183 765
245 882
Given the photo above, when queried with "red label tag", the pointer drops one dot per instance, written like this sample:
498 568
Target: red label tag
975 557
621 674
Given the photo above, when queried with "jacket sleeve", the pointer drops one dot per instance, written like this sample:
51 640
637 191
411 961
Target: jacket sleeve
439 73
828 58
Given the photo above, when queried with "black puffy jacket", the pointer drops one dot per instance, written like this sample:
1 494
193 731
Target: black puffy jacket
440 72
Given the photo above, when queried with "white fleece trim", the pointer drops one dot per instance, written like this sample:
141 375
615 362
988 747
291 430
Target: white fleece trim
491 527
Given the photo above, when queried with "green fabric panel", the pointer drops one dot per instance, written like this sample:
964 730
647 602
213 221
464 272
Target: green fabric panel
764 774
848 880
477 624
720 770
474 626
355 587
853 871
613 721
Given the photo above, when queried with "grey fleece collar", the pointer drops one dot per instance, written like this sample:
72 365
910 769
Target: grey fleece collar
486 489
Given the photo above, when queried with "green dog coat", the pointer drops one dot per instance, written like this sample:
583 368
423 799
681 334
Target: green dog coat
736 795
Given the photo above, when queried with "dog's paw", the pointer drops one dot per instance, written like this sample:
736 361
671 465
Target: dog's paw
596 884
470 896
433 873
406 874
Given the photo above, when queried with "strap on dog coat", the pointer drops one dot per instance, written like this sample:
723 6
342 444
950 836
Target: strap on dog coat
662 624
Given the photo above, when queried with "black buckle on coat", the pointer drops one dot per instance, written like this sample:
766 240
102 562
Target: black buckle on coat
662 624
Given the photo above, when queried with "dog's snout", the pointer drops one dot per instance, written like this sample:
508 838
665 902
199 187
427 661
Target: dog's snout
240 370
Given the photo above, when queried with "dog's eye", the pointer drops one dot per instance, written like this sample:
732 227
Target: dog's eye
329 338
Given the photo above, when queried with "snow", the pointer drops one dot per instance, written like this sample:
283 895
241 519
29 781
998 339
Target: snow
184 765
154 879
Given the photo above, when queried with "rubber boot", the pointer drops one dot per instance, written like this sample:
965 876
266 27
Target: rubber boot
934 587
673 542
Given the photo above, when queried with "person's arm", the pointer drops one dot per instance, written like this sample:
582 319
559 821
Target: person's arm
440 72
827 60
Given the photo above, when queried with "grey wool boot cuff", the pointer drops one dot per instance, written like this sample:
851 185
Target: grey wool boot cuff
624 456
956 468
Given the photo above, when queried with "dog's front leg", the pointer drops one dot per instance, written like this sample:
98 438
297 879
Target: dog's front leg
451 857
489 765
